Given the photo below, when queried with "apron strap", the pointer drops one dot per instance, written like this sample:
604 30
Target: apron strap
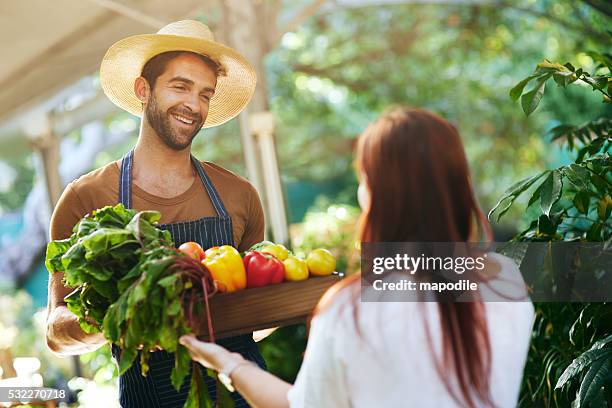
125 184
125 179
210 189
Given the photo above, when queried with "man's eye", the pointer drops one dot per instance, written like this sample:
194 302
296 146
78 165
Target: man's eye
179 87
205 97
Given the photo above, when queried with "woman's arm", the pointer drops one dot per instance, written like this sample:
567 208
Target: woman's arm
321 382
258 387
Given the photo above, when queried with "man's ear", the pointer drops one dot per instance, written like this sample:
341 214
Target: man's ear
142 89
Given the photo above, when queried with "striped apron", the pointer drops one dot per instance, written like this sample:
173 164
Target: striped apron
155 390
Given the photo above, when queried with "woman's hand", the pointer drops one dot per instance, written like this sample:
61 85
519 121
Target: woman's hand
210 355
258 387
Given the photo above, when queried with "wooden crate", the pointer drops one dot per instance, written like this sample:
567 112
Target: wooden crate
253 309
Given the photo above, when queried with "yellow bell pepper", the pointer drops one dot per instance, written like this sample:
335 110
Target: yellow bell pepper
278 250
225 265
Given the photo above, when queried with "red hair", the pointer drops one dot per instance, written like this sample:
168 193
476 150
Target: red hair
417 174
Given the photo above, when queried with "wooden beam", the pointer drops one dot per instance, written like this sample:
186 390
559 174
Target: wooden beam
131 13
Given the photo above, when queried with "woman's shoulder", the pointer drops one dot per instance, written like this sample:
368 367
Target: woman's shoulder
341 293
502 280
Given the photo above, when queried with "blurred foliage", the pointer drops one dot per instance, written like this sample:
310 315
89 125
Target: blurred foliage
283 351
333 75
22 329
570 357
100 366
339 70
562 333
17 181
331 227
572 202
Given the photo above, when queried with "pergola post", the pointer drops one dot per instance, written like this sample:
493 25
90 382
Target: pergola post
245 34
46 145
262 126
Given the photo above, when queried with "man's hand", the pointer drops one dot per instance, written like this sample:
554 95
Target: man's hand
259 335
64 334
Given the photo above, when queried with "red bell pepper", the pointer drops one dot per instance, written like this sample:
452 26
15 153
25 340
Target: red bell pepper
263 269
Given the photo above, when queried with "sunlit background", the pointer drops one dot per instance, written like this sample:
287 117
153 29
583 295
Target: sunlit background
331 68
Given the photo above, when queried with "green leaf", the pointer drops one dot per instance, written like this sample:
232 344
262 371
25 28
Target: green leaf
260 245
593 381
604 207
224 397
167 338
517 90
594 233
551 191
546 226
106 288
174 308
54 253
535 196
126 359
599 344
600 184
198 396
578 176
580 363
181 367
137 295
564 78
88 328
86 226
597 82
531 99
133 334
111 323
514 191
547 66
143 229
581 201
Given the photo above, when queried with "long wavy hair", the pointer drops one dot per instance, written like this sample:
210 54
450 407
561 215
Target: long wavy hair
414 165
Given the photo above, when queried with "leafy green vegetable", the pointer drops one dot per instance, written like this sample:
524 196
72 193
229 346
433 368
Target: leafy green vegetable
260 245
131 284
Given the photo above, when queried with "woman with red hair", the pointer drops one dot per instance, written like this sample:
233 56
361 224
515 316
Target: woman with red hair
414 187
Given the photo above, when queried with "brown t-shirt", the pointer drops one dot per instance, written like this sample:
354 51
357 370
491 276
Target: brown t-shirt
101 187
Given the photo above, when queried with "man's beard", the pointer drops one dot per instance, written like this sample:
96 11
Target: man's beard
160 122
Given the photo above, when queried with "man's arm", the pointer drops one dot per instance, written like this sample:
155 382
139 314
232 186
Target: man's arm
64 335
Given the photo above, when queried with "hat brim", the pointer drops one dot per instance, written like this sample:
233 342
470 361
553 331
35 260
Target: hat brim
125 59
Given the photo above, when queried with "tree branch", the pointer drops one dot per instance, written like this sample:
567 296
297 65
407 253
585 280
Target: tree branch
581 28
603 6
298 19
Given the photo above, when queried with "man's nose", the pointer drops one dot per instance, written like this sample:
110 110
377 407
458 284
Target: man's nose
192 102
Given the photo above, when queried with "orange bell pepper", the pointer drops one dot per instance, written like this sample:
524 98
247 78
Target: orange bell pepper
226 266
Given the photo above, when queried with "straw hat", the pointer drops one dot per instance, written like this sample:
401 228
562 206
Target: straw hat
125 59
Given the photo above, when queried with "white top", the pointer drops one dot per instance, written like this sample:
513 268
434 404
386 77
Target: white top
391 364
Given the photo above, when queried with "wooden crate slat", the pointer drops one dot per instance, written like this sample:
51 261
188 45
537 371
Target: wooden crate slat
260 308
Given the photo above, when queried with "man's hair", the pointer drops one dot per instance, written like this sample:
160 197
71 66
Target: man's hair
157 65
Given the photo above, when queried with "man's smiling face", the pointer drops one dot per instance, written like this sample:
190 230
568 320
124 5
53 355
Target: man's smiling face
179 100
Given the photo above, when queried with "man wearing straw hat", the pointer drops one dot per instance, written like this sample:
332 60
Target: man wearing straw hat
178 81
